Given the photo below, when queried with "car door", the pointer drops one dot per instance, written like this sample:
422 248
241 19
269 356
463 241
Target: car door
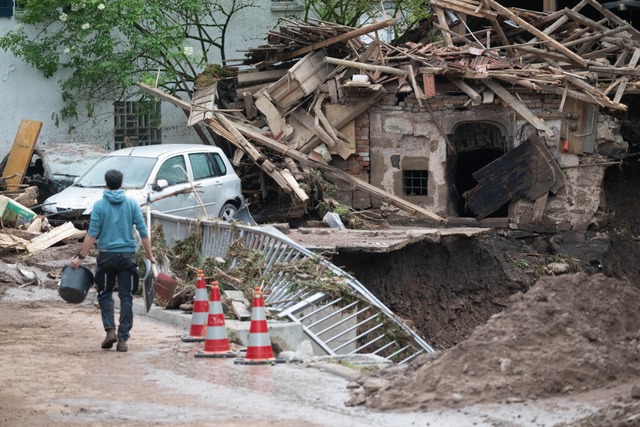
174 170
211 176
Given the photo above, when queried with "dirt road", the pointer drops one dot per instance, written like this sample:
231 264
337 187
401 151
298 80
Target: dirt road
53 372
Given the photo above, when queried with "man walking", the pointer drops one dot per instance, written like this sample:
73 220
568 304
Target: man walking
111 225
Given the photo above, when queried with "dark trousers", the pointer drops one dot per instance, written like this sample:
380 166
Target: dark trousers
120 268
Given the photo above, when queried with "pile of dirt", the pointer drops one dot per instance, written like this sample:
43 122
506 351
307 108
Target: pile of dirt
567 334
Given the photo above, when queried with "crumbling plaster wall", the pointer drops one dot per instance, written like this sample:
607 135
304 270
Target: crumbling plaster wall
579 203
405 134
398 138
401 139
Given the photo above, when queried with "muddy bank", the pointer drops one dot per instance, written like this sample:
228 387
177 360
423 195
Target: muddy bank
568 334
445 289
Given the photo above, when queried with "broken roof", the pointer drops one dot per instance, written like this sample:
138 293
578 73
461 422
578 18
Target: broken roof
586 53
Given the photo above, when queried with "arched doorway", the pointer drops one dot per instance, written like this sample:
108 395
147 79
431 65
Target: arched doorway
477 144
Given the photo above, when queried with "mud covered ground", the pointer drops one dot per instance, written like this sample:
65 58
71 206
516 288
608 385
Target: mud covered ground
550 336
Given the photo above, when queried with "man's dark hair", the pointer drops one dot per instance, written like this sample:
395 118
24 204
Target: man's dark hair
113 178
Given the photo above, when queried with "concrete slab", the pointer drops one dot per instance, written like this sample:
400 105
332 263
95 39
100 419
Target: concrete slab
374 241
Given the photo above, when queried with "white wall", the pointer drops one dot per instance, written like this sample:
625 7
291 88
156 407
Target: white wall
26 94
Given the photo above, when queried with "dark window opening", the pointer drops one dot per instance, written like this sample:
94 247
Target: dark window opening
6 8
137 123
415 182
478 144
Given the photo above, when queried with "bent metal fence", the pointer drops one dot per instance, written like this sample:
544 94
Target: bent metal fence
356 323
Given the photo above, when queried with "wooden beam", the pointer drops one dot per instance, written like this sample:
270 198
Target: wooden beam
442 21
357 109
533 30
613 17
550 5
625 79
340 38
518 106
339 174
475 96
366 67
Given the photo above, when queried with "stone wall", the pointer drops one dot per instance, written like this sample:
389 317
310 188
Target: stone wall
400 134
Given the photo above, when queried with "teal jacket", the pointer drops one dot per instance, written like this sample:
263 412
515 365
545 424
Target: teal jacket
112 221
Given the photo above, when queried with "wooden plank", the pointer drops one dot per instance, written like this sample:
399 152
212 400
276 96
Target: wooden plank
65 231
518 106
624 80
339 145
21 152
202 104
416 88
239 304
340 38
301 80
333 112
460 84
558 177
613 17
254 78
442 20
520 173
366 67
276 122
294 185
354 112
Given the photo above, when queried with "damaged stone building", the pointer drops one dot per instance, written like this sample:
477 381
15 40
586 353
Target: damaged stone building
485 115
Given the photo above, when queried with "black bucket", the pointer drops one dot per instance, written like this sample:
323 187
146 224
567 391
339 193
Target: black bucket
74 284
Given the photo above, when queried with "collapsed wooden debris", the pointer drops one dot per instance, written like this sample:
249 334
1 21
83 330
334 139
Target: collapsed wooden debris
288 113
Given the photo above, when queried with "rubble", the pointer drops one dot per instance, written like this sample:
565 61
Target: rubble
294 109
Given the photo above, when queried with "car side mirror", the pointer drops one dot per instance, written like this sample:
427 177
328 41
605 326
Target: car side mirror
160 184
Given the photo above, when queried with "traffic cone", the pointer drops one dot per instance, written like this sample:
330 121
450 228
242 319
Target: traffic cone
199 313
216 343
259 349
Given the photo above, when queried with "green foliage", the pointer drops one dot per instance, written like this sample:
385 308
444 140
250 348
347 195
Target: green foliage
521 263
108 46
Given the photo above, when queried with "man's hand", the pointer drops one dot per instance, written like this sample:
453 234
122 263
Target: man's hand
75 262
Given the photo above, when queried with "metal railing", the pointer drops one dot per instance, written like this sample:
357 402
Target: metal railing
336 325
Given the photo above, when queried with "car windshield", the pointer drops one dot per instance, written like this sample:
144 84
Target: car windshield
136 171
69 165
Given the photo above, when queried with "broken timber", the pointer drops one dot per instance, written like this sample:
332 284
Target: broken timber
236 128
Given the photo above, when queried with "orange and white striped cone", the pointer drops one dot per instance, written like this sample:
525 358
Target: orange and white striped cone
199 313
216 342
259 349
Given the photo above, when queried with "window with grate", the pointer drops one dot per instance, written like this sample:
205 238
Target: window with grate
6 8
415 182
136 123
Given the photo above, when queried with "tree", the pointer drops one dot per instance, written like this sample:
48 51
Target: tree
109 45
354 13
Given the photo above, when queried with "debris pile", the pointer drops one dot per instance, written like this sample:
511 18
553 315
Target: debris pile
297 106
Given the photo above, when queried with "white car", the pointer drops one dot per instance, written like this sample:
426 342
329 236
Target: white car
167 173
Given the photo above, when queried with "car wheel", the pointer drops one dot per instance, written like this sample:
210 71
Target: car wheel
228 212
